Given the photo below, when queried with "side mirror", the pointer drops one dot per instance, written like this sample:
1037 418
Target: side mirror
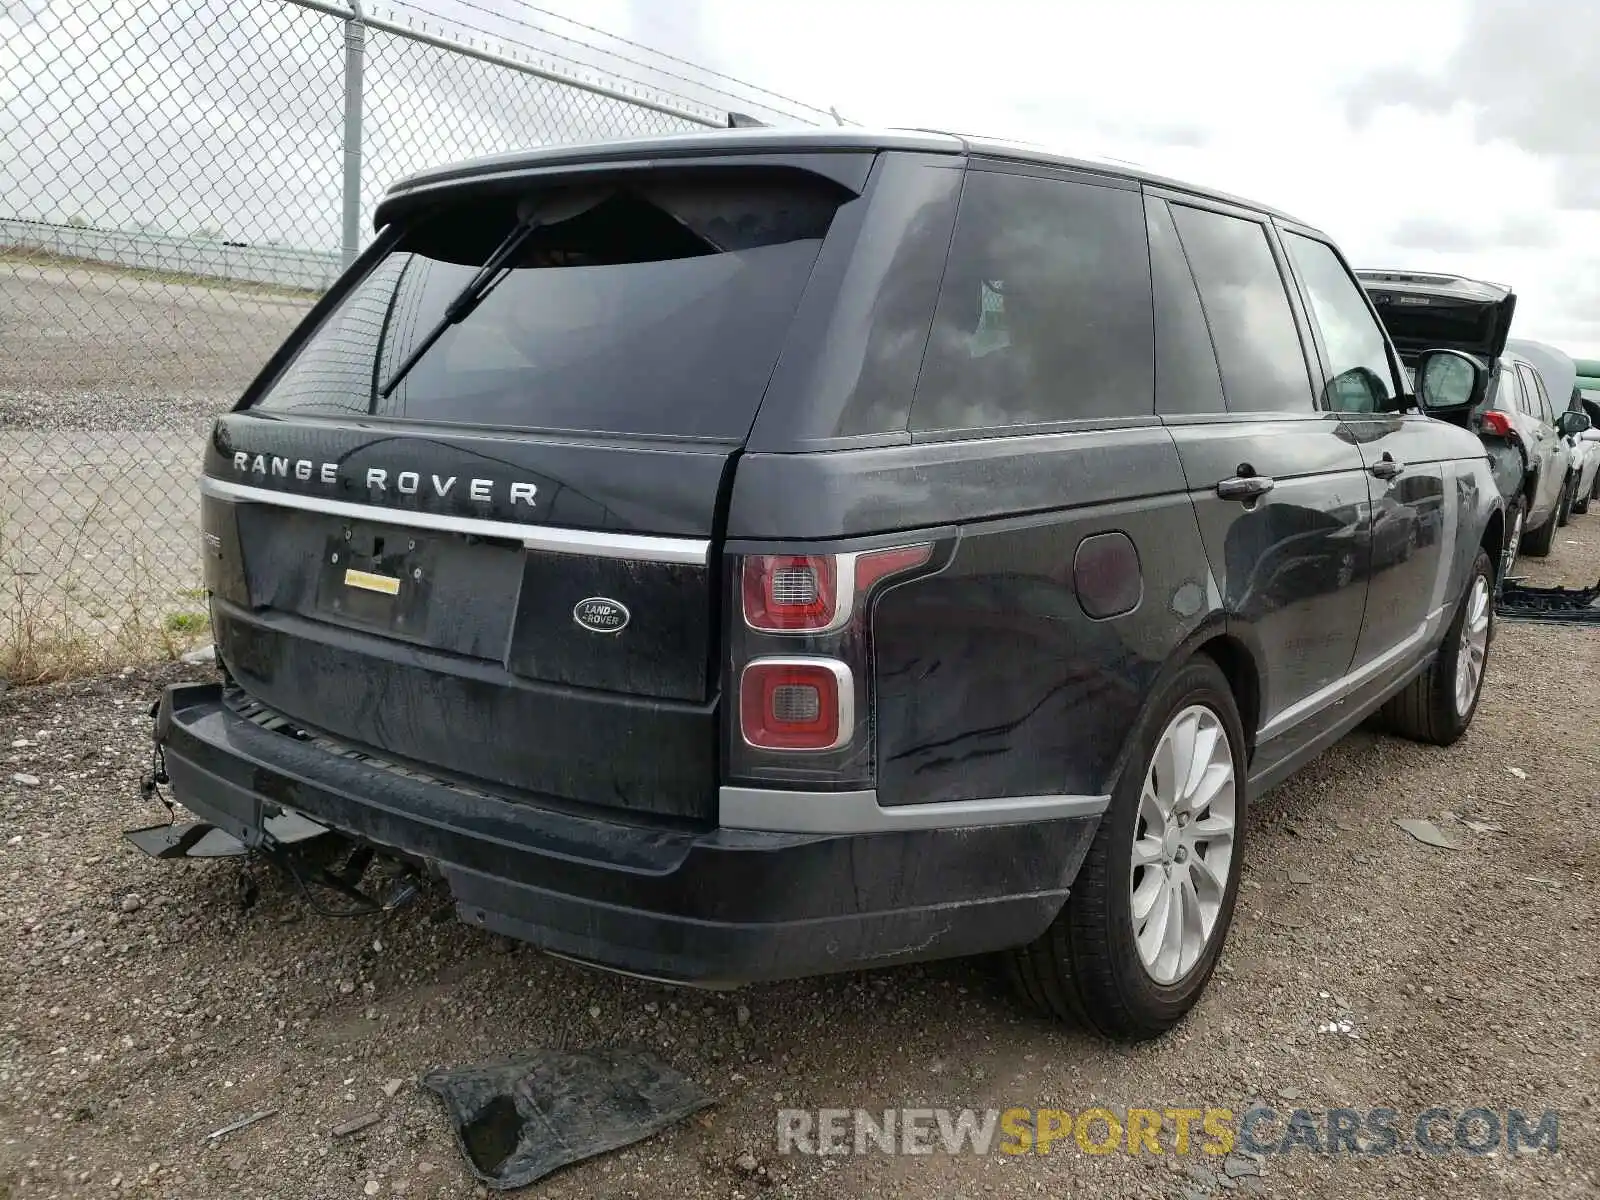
1449 381
1571 424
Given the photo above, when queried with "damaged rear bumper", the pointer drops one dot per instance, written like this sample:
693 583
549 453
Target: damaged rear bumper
713 907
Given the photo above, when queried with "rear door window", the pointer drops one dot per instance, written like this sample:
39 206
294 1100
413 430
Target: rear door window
1360 376
1187 379
1508 392
1252 326
1533 388
1044 313
655 306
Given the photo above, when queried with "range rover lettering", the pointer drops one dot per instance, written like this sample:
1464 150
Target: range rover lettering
804 551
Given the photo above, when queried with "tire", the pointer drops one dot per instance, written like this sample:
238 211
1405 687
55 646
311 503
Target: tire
1087 967
1429 708
1536 543
1564 504
1580 503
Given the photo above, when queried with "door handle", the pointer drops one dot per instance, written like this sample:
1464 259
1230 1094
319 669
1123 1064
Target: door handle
1245 487
1386 467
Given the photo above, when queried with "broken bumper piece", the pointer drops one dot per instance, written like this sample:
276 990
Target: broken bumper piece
199 839
702 905
1578 606
193 839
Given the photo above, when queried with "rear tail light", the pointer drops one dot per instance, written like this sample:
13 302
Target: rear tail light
1496 423
796 704
787 593
799 711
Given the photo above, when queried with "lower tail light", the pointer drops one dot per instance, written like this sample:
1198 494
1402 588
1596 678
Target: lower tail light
1496 423
796 704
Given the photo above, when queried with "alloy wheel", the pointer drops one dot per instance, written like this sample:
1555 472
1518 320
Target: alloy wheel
1183 843
1474 647
1515 544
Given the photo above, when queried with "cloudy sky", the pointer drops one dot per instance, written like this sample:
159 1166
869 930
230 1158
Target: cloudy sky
1450 135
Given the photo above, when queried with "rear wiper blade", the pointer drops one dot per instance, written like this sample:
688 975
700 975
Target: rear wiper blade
466 299
530 217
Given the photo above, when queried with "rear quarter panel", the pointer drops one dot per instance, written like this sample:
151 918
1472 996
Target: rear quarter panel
989 678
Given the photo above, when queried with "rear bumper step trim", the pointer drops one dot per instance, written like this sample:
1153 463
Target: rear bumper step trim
636 547
774 810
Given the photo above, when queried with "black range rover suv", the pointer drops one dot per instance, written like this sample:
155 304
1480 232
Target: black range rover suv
748 555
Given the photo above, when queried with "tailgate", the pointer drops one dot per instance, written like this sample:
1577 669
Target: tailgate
575 663
468 522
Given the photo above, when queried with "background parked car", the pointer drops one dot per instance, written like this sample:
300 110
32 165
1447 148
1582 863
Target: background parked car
1558 374
1588 455
1516 420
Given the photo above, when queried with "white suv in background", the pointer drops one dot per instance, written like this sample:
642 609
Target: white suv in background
1588 456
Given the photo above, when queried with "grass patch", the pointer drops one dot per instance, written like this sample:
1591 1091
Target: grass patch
38 645
68 624
184 622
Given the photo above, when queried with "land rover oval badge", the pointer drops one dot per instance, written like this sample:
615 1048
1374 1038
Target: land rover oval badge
598 614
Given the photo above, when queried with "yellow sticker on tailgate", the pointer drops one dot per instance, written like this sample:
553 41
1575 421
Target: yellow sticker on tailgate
367 581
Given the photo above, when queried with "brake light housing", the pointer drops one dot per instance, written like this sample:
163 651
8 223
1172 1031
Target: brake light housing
799 668
1497 423
791 593
816 593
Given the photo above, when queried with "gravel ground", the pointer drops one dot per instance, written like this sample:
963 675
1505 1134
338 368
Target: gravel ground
100 350
143 1006
108 383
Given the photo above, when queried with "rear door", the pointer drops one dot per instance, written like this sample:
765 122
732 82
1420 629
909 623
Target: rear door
1279 485
475 532
1411 524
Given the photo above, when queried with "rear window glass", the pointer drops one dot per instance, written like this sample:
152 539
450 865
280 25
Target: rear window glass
1044 314
645 307
1507 392
1533 389
1253 327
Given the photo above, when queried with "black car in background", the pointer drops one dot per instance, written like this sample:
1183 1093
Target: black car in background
748 555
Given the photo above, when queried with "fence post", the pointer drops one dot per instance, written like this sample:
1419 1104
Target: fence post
355 42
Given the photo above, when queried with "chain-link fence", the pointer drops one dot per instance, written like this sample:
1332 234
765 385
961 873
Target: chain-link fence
179 180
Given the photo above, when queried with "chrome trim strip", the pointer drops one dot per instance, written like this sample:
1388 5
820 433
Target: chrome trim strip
1342 687
791 811
844 683
635 546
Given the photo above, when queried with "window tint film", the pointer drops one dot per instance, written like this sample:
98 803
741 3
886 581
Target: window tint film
1252 325
1360 376
1044 313
649 306
1187 380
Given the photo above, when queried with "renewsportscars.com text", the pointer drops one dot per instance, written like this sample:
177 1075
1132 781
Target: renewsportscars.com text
1165 1131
